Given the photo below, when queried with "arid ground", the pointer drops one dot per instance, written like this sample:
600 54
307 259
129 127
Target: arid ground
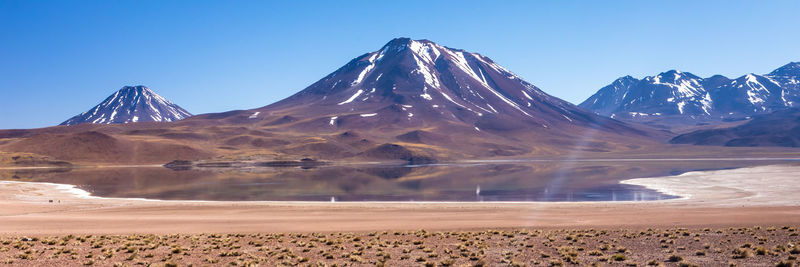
732 246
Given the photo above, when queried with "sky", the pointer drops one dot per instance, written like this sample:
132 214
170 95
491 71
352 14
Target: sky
60 58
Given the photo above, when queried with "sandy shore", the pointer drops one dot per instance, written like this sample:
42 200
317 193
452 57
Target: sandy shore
746 197
758 186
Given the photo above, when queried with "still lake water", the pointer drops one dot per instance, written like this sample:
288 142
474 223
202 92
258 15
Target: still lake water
490 181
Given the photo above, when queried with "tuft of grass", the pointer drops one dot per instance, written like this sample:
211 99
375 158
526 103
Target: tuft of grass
355 258
674 258
741 253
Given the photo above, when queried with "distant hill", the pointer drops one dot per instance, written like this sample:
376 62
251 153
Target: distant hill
131 104
780 128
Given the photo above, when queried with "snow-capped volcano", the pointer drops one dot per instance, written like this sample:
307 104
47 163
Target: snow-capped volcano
690 99
416 82
131 104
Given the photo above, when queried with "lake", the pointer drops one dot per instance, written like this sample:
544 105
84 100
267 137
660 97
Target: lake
595 180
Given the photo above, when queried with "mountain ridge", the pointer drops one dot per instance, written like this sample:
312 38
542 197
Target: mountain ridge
665 99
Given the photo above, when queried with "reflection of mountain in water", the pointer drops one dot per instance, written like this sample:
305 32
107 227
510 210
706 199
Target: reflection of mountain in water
543 181
388 172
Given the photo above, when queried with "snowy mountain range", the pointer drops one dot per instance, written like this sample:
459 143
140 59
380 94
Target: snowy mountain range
686 98
412 101
131 104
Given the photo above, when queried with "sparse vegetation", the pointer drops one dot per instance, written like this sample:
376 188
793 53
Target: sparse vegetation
589 247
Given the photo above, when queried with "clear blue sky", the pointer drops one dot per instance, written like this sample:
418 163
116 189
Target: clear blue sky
60 58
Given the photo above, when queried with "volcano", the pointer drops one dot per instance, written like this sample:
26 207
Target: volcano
418 83
131 104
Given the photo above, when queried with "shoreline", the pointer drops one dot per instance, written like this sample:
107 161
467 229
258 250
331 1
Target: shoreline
771 185
723 197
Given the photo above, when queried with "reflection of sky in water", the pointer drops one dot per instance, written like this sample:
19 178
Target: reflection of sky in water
504 181
615 193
